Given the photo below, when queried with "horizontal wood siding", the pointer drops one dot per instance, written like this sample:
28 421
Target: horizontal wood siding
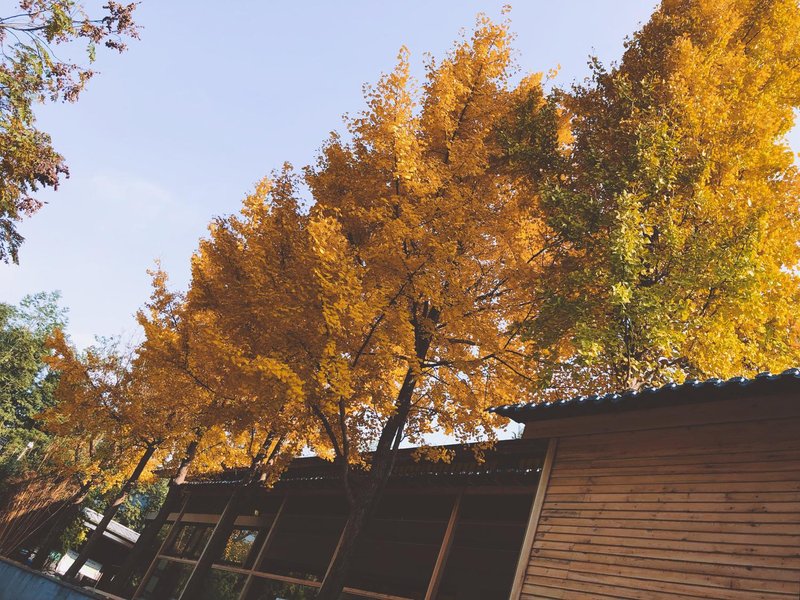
707 511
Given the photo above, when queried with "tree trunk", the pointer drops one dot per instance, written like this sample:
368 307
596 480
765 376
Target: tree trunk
382 462
143 548
172 533
339 567
68 511
109 514
366 498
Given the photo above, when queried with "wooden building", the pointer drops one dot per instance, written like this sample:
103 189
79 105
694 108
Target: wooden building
107 556
448 531
685 491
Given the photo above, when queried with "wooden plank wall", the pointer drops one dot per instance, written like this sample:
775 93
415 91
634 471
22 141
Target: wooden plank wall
706 511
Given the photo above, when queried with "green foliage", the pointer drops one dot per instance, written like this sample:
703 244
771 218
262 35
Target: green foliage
73 536
26 384
679 205
31 71
145 498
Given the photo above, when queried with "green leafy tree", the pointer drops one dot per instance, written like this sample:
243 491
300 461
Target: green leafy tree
143 498
31 72
26 384
679 205
72 531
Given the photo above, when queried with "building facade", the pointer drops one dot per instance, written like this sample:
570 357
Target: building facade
685 491
443 531
689 491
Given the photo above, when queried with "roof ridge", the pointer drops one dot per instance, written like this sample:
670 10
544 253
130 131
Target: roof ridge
715 383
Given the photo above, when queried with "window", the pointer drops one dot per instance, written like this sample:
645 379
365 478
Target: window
268 589
223 585
190 540
239 545
136 576
485 547
395 556
306 536
167 580
400 545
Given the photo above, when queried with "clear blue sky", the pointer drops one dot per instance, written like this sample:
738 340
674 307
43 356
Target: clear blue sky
216 95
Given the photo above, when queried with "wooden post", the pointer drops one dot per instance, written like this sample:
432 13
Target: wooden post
533 521
444 551
216 543
262 552
167 540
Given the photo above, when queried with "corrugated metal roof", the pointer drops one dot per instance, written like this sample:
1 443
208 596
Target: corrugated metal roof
114 529
512 462
690 391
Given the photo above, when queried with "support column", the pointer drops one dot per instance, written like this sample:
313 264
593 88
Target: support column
216 543
533 521
444 551
262 552
164 544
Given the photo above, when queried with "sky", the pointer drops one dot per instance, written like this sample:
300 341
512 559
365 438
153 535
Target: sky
212 98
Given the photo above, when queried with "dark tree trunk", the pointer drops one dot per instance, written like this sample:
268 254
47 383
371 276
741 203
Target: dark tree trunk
142 551
361 508
109 514
172 533
366 498
68 511
339 567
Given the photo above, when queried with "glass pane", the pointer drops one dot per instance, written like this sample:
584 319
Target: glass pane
239 545
136 576
485 548
267 589
400 545
167 580
162 534
223 585
135 579
307 533
190 540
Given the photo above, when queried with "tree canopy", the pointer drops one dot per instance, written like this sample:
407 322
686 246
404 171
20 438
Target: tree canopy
678 204
32 42
476 239
26 384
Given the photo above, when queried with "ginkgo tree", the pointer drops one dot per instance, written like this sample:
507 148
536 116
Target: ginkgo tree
394 305
167 344
110 395
679 204
217 431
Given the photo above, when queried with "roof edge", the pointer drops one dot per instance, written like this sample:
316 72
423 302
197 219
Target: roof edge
671 394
